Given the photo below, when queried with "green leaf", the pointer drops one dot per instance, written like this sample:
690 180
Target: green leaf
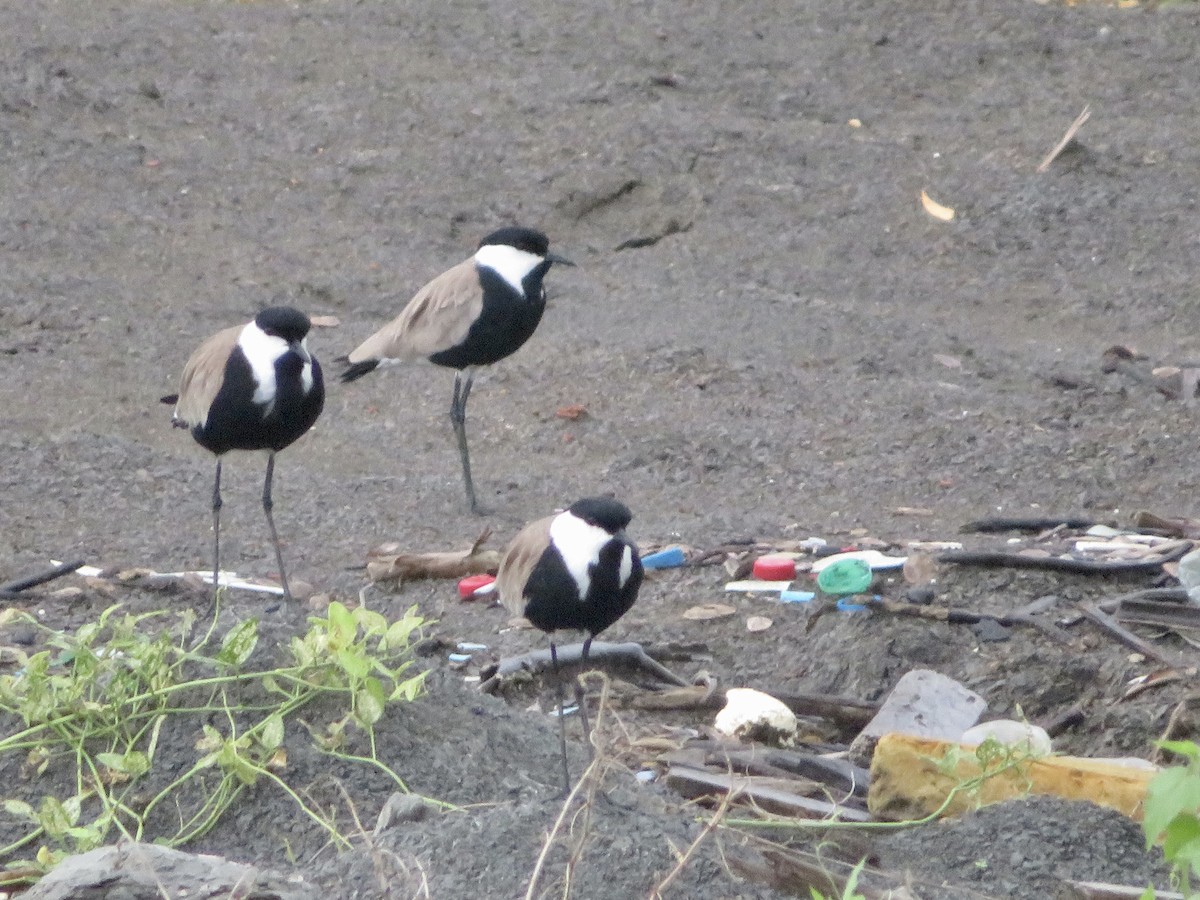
341 623
239 643
367 707
54 817
1182 830
20 808
272 732
1171 792
353 663
133 763
370 621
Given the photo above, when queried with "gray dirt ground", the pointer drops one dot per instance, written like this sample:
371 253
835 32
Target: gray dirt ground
799 349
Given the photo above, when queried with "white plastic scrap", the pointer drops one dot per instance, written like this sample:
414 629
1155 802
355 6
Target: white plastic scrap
1021 736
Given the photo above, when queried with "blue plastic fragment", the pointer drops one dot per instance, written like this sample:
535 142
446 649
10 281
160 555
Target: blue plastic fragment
459 657
665 559
796 596
845 605
468 647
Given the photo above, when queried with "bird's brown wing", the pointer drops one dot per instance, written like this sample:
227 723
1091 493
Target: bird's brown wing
521 555
437 318
203 376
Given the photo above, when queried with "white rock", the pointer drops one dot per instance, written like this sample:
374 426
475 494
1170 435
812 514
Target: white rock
751 715
1018 735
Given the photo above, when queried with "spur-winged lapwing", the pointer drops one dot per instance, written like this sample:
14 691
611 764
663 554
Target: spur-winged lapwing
572 571
251 387
472 315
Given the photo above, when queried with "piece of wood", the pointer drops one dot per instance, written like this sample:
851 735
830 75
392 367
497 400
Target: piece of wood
12 588
969 617
1125 636
1000 559
746 789
1152 612
602 653
1164 595
996 524
1098 890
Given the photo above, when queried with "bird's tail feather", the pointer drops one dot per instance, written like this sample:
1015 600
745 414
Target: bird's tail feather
357 370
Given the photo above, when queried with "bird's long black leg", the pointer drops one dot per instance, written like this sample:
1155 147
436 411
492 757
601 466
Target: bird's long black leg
216 511
562 725
267 504
581 697
458 416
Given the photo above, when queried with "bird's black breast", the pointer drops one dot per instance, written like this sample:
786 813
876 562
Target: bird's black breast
236 422
552 595
506 321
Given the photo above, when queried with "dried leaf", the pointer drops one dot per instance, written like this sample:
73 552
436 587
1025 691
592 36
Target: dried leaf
935 209
706 611
572 412
758 623
325 321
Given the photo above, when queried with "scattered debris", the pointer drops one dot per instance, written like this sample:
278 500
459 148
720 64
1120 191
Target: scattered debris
935 209
705 611
388 562
1072 130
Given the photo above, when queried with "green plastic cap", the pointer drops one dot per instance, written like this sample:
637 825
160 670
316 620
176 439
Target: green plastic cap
846 576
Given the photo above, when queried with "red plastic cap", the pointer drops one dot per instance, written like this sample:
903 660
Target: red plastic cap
775 568
472 583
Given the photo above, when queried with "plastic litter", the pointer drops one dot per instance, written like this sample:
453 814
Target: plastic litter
796 596
758 587
476 586
459 657
844 604
774 567
1189 575
468 647
845 576
872 558
670 558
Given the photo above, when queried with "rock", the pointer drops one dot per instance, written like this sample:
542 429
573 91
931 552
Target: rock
129 871
923 703
751 715
1023 736
401 808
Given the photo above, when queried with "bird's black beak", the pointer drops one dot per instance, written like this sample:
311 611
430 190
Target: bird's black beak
561 260
300 350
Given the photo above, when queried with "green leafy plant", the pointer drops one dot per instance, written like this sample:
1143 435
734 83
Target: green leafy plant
97 703
1172 814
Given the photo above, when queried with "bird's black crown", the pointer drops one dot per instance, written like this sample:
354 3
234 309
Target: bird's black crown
604 512
283 321
527 239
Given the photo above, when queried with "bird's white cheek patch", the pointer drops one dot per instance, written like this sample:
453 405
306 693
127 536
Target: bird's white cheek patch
579 545
626 566
261 350
509 263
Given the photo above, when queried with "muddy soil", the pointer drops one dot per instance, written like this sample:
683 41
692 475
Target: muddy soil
770 337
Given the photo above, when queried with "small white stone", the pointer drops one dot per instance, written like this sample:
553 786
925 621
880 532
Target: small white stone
751 715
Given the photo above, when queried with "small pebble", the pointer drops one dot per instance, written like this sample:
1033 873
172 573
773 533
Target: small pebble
922 594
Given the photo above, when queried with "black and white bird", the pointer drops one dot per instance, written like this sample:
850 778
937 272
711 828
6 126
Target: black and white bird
251 387
477 313
575 571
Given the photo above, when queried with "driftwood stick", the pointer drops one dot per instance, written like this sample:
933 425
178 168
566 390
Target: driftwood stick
1098 890
12 588
969 617
840 775
1171 595
1163 615
1001 558
1125 636
696 783
996 524
602 653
